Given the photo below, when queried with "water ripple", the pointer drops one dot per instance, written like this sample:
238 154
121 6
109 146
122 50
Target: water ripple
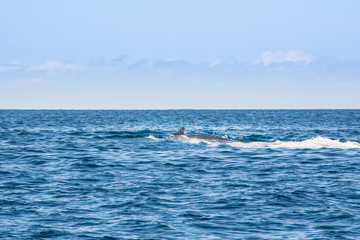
97 175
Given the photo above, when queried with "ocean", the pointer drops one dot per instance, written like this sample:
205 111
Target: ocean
115 174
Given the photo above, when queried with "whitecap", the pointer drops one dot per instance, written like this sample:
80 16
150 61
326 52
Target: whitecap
198 141
313 143
153 137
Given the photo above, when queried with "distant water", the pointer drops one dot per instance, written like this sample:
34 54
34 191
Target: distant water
292 174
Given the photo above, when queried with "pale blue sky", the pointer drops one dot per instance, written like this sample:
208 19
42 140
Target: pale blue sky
179 54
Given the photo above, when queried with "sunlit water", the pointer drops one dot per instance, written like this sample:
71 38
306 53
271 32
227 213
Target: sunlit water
115 175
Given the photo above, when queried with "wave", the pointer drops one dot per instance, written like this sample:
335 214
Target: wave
153 137
313 143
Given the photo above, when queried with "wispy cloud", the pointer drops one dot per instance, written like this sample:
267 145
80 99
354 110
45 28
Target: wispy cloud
215 63
170 63
154 64
120 59
97 61
12 66
278 57
141 64
53 66
225 64
282 60
47 66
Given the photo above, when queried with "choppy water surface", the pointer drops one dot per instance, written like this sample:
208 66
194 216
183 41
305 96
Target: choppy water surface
114 175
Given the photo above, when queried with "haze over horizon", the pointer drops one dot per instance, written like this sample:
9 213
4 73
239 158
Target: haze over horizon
179 54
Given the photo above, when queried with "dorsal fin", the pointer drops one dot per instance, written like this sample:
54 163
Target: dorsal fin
180 132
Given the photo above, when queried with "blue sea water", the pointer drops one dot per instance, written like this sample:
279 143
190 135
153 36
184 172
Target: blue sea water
291 174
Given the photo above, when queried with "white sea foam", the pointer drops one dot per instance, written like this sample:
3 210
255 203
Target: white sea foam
313 143
198 141
153 137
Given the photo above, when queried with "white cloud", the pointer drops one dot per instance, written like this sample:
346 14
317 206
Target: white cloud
170 63
154 64
52 66
120 58
12 66
141 64
215 63
225 64
97 61
292 56
47 66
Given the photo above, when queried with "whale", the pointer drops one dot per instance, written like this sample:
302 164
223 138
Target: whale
181 133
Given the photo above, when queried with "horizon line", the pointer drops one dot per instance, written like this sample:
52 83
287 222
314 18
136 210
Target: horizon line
165 109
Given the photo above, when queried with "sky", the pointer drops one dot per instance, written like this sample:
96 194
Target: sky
161 54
